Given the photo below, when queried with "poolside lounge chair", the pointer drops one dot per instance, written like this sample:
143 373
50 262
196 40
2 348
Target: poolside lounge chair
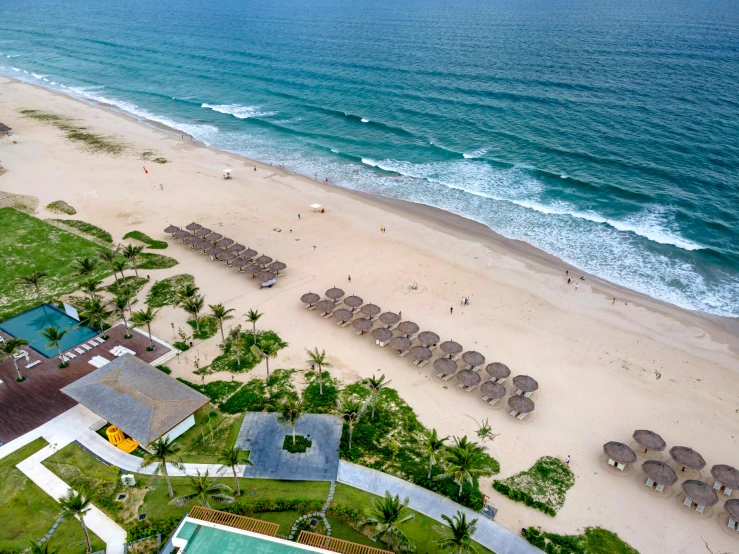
448 377
688 502
732 523
499 381
513 413
494 401
650 482
91 343
85 346
69 355
98 361
470 389
527 394
440 374
728 491
392 328
460 385
700 508
485 398
37 362
455 358
345 323
521 416
79 351
328 316
413 337
423 363
404 353
660 488
99 340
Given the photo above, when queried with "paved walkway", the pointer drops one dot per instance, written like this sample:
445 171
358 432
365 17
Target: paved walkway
491 535
263 437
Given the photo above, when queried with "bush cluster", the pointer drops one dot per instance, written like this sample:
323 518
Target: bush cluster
146 239
152 527
594 540
313 401
471 496
301 444
228 361
243 507
216 390
522 496
61 207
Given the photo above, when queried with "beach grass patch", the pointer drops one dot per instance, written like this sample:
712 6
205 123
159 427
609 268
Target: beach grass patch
204 328
164 292
28 244
595 540
217 391
151 156
96 143
246 359
135 284
543 486
22 202
61 207
300 445
146 239
261 396
86 228
148 260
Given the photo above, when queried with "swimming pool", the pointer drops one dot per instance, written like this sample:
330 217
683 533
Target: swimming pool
29 325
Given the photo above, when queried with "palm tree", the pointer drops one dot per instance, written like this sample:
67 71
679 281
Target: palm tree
204 490
386 514
110 257
318 360
33 280
232 457
221 314
237 342
189 290
252 316
118 265
265 349
193 306
463 462
434 445
85 266
457 537
290 412
120 303
95 312
351 410
36 548
10 347
75 505
145 317
55 335
375 386
131 252
162 452
91 286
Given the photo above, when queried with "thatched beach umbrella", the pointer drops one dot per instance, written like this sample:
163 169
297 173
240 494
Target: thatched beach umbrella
343 314
492 390
363 324
700 493
265 276
649 440
726 475
619 452
468 378
215 237
659 472
171 229
525 383
353 301
236 248
732 507
203 245
450 347
277 267
263 260
325 306
687 457
226 256
310 298
420 353
214 251
240 263
193 226
334 293
408 328
203 232
400 343
388 318
248 253
521 404
252 269
427 338
496 370
382 334
192 239
180 234
370 310
473 358
225 242
444 365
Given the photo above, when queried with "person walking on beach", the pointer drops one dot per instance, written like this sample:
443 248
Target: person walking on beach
451 310
298 216
291 229
400 315
350 278
569 280
567 459
567 272
614 301
577 285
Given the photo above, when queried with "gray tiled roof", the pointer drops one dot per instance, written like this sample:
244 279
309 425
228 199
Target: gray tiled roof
142 401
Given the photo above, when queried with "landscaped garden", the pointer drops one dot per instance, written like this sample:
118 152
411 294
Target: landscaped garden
20 498
543 486
594 540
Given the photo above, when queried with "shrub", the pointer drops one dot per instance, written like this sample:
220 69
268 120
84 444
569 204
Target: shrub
164 368
228 361
180 345
301 444
595 540
522 496
316 403
164 292
243 507
146 239
151 527
216 390
208 327
61 207
471 496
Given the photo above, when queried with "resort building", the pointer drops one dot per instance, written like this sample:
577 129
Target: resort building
207 531
138 399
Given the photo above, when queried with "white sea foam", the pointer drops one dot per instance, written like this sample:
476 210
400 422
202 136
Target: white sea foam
479 153
15 69
239 111
365 120
38 76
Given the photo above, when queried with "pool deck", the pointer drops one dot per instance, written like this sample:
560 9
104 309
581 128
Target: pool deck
27 405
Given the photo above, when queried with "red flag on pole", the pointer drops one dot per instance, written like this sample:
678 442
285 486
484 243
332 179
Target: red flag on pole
146 171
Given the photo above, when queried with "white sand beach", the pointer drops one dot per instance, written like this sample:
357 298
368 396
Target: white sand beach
603 369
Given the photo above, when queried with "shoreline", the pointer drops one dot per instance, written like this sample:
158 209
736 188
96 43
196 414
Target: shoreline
459 226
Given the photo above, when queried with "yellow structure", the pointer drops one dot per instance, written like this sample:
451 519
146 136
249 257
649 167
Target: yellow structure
117 438
128 445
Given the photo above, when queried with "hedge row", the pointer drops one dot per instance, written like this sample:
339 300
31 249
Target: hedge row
521 496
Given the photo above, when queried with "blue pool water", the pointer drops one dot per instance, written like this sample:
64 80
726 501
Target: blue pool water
29 325
605 133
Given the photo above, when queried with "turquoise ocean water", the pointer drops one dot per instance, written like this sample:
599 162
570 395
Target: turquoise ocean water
605 133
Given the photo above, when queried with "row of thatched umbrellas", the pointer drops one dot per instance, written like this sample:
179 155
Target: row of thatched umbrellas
227 250
446 365
726 478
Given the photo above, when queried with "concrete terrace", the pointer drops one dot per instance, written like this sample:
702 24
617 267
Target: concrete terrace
38 399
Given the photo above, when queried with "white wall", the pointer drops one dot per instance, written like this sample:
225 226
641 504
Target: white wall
181 428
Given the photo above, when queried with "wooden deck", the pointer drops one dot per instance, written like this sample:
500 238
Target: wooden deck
237 522
336 545
24 406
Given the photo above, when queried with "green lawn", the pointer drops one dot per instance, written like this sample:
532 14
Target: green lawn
28 244
164 292
27 512
146 239
87 228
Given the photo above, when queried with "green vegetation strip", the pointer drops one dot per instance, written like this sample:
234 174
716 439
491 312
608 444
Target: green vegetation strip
146 239
86 228
90 141
164 292
20 497
61 207
543 487
594 540
237 356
